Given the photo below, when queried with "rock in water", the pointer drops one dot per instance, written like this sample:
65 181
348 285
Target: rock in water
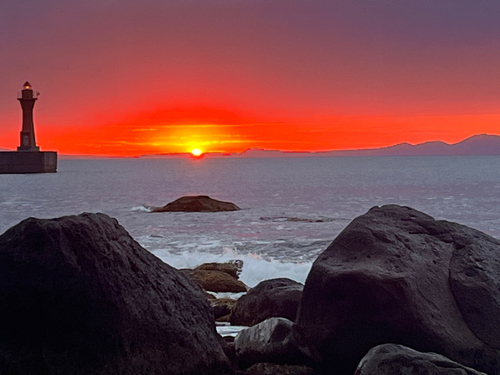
233 268
215 281
390 359
270 298
198 203
222 307
79 296
396 275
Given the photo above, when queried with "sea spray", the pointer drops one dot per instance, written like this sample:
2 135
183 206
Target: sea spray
255 268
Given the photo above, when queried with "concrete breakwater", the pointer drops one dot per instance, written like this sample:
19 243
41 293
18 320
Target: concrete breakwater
28 162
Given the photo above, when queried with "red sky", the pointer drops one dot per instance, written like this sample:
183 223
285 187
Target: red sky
132 78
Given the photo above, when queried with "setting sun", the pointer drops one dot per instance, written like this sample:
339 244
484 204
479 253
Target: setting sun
196 152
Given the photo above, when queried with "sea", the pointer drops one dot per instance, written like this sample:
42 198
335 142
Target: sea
291 208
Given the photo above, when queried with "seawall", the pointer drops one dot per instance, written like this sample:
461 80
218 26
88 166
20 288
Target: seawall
28 162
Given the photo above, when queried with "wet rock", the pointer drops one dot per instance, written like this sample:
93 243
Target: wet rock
223 318
79 296
270 298
215 281
222 307
233 269
390 359
396 275
272 340
197 203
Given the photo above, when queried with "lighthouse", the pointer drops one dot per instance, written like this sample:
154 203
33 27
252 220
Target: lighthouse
27 100
28 158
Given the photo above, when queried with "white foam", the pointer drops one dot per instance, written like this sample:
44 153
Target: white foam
141 209
228 330
227 295
255 269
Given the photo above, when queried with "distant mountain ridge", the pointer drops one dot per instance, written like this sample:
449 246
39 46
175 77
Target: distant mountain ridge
481 144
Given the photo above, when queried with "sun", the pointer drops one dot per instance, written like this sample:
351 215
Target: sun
196 152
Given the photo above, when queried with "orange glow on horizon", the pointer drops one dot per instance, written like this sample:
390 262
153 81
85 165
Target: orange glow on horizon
209 130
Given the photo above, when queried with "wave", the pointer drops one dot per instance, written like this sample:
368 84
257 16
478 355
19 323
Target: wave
255 268
143 208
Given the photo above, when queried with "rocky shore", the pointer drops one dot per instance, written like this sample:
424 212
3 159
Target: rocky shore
397 292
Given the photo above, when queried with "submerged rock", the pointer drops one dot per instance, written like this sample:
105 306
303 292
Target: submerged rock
270 298
396 275
390 359
79 296
197 203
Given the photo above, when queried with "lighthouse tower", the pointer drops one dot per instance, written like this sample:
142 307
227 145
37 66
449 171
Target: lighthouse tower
27 101
28 158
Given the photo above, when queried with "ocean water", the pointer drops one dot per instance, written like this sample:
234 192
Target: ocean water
292 208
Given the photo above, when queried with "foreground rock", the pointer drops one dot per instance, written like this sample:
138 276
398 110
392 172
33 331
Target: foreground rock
270 298
396 275
272 340
390 359
197 203
79 296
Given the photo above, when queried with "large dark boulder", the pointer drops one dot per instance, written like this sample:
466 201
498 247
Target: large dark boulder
270 298
79 296
197 203
396 275
390 359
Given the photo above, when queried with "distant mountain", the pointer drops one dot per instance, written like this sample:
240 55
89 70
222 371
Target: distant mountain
482 144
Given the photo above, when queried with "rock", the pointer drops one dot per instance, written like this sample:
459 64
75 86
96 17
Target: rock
197 203
272 340
396 275
79 296
215 281
390 359
270 298
223 319
274 369
233 269
222 307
